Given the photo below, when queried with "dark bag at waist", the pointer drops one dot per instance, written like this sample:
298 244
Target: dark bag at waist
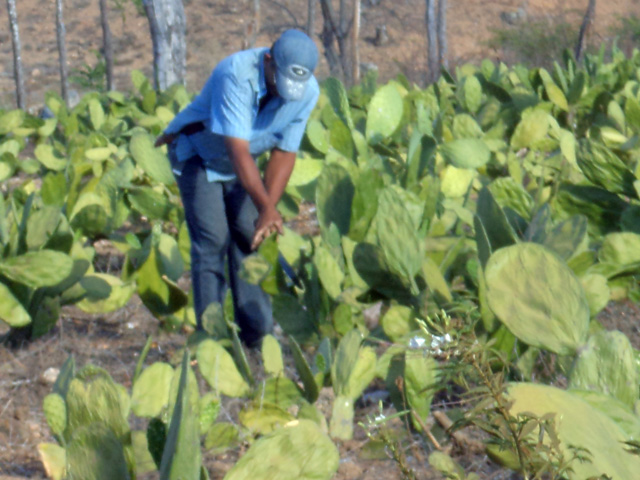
192 128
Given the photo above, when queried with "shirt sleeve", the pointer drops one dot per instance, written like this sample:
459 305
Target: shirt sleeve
292 134
232 108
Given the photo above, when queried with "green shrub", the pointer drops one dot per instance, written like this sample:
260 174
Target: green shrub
534 41
626 33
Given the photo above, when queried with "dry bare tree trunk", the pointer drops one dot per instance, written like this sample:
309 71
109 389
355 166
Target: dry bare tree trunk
252 28
355 62
107 44
18 72
311 16
167 25
585 28
62 52
442 34
337 31
256 16
432 40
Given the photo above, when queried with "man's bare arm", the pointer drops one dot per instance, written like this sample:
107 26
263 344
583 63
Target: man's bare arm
278 172
269 220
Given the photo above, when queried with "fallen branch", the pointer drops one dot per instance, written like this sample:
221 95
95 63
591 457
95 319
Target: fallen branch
460 437
426 430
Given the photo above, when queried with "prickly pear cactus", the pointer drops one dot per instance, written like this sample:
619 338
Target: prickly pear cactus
150 393
272 356
607 365
384 113
181 457
537 297
93 397
398 238
353 369
605 169
54 460
420 377
151 159
55 411
95 453
579 425
219 369
298 451
156 438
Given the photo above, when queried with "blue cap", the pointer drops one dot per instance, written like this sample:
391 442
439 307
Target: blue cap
296 57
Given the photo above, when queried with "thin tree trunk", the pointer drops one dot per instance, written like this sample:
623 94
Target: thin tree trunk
585 28
153 31
442 34
337 31
107 44
168 33
256 17
355 42
62 52
252 28
18 73
328 34
311 16
432 39
343 40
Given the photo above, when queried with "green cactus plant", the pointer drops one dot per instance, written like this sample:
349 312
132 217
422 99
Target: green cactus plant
181 456
272 356
352 370
300 450
578 425
537 297
54 459
150 392
94 397
311 388
607 364
420 382
55 411
219 369
384 114
96 453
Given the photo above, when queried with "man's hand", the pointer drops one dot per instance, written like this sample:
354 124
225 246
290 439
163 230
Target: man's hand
265 195
269 221
276 177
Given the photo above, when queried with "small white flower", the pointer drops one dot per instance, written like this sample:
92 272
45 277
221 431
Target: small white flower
437 342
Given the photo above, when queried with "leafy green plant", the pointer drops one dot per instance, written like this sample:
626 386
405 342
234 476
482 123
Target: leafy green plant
351 372
469 230
40 263
520 440
90 77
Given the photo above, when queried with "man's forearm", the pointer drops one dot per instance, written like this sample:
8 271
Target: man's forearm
278 172
249 176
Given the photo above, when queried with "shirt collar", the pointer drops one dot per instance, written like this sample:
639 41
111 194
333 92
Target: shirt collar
262 82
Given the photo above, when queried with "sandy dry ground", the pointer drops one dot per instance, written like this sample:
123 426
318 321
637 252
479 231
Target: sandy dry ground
217 28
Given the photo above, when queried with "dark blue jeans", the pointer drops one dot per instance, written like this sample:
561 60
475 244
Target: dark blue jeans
220 217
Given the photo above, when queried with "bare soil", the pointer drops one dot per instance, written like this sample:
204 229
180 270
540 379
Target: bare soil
218 28
114 342
215 29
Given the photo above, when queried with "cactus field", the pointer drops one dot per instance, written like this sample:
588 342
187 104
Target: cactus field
462 301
